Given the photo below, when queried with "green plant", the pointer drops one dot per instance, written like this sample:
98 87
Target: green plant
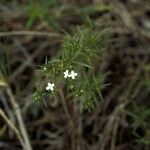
74 68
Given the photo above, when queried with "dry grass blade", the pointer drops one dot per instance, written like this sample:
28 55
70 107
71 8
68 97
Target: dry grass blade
12 126
20 120
31 33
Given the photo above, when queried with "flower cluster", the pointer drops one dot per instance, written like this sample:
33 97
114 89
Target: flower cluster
72 74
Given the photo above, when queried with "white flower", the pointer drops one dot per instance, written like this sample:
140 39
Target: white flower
50 86
70 75
66 74
45 68
73 74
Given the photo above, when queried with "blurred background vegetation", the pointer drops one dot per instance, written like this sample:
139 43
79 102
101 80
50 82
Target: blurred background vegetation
33 30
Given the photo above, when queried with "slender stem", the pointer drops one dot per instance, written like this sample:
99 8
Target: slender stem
72 128
65 106
80 125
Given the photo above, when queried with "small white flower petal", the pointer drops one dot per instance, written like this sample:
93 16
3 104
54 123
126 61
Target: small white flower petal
66 74
48 84
52 89
52 84
47 88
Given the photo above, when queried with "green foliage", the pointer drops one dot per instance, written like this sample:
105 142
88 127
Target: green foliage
87 90
79 52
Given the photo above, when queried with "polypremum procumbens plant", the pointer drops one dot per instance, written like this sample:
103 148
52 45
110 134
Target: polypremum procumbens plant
73 71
